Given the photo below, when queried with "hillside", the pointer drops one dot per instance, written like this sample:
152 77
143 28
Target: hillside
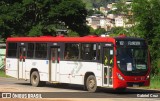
96 3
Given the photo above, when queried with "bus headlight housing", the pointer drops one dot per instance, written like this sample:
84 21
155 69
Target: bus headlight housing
120 77
147 77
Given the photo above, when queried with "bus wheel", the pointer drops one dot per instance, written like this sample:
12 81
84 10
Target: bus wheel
35 79
91 83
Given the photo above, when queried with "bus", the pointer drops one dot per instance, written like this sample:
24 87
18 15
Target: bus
91 61
2 54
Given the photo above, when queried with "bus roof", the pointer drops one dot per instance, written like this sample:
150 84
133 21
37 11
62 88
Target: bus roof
89 38
61 39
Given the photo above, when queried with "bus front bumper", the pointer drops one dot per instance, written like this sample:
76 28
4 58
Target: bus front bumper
130 83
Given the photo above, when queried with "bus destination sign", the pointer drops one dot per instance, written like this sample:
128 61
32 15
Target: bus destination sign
130 43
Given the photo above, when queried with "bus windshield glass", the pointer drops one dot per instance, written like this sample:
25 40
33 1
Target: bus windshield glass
132 59
132 56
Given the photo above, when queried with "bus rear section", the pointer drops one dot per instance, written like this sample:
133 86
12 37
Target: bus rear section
89 61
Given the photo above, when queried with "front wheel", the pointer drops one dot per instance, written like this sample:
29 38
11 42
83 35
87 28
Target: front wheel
91 83
35 79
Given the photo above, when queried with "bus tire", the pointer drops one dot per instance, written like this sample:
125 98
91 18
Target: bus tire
35 79
91 83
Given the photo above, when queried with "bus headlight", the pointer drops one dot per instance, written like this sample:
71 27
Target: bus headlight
147 77
120 77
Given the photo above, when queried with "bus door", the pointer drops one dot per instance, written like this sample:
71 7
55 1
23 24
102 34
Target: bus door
21 61
108 66
54 64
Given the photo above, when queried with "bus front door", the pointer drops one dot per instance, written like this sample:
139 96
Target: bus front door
107 66
54 64
21 61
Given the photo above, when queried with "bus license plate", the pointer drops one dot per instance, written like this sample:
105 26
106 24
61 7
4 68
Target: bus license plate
135 85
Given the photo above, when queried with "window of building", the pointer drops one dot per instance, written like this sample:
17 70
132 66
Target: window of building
30 50
12 50
41 50
71 51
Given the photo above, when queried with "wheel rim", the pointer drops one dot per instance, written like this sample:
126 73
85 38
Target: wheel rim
34 79
91 84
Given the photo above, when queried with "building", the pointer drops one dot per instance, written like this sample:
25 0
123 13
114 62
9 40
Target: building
109 20
96 22
119 22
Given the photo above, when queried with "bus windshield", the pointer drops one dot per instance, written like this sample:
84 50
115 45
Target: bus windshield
132 60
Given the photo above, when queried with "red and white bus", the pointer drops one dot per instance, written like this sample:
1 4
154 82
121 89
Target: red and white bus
115 62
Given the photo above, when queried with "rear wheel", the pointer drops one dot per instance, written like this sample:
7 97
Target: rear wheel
91 83
35 79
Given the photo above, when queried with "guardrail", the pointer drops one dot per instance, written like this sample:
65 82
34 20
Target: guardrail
2 64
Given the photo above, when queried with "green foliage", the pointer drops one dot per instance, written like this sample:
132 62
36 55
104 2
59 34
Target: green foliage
92 12
91 31
36 30
100 31
125 11
10 17
147 19
2 73
37 17
72 33
96 3
121 8
155 81
118 30
72 13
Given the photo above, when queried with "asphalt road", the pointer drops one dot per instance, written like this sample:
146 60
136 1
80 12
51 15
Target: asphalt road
74 91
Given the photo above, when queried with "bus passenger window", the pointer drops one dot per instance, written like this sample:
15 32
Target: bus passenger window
12 50
88 51
41 50
71 51
66 57
30 50
98 51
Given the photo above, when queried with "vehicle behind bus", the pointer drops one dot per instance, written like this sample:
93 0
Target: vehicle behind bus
114 62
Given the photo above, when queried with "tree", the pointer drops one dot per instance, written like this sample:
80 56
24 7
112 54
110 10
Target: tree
9 18
96 3
72 33
72 13
92 12
118 30
147 19
37 17
100 31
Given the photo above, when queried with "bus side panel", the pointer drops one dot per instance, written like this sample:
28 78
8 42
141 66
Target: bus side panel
65 71
12 67
74 72
84 67
40 65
